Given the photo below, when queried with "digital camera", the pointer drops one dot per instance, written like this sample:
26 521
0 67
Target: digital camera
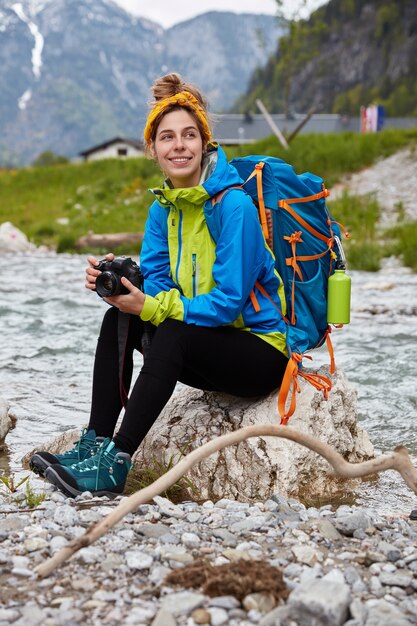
109 282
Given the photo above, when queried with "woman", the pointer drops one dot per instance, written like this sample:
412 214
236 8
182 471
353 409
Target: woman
203 251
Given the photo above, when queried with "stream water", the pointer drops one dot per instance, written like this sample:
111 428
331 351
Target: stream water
48 329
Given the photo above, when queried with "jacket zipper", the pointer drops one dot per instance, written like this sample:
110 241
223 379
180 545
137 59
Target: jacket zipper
194 274
179 246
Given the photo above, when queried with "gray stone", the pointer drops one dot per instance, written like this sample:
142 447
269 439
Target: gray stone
182 602
35 543
151 530
335 576
384 614
396 579
14 240
278 616
111 562
226 536
4 557
250 523
90 554
191 540
31 615
136 559
307 554
347 524
218 616
261 602
224 602
7 421
324 601
168 508
8 615
66 515
169 538
139 615
391 552
57 543
13 522
164 618
358 610
158 573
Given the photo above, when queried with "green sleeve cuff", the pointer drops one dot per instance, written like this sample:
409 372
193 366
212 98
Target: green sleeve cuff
150 307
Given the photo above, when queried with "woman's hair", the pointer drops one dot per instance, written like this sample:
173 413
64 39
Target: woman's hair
171 85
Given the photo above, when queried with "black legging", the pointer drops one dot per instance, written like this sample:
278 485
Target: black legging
213 359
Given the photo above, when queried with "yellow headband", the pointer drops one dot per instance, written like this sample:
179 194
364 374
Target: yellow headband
184 99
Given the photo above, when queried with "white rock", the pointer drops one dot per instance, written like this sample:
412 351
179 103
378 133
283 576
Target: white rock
7 421
136 559
66 515
13 240
259 467
182 602
324 601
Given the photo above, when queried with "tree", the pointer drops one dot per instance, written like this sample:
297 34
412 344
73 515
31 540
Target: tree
288 45
48 157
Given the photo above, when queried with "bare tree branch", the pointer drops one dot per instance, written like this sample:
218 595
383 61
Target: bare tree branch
398 460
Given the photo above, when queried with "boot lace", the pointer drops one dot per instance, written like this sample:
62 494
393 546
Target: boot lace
103 459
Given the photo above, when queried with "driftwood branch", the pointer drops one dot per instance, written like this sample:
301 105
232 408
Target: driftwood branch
109 241
272 124
397 460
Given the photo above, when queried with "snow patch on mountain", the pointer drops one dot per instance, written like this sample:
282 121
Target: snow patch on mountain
39 41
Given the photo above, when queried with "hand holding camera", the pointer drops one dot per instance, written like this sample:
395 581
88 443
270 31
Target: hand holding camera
118 280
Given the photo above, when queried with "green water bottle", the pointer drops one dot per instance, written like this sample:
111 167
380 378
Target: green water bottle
338 297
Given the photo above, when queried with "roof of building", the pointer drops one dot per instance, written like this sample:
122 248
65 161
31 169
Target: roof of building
239 128
135 143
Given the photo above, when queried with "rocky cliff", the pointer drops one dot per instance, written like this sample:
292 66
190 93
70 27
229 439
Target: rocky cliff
349 53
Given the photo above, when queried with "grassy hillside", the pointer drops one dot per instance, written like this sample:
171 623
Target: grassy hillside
56 205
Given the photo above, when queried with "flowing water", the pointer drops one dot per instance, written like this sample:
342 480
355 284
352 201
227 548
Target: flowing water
48 329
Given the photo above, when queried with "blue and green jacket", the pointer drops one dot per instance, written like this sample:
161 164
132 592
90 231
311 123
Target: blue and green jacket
201 261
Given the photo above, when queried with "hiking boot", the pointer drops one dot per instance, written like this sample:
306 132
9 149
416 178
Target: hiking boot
86 446
104 474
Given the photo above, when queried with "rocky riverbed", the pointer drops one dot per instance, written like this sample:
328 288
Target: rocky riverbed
190 563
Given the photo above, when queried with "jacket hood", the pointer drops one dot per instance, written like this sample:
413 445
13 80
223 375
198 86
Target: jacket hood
217 174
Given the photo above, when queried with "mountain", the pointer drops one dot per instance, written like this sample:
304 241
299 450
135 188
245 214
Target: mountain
349 53
75 72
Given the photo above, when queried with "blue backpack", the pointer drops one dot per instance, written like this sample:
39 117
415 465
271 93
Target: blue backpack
305 241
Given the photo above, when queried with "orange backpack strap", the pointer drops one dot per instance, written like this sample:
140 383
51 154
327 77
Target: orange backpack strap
290 385
261 202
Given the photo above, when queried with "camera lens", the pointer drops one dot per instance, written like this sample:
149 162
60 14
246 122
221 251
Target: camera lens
108 284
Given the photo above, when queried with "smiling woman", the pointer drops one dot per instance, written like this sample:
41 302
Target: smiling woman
178 148
195 320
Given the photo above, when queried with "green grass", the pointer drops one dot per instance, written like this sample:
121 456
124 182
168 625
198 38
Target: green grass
402 243
56 205
333 155
359 216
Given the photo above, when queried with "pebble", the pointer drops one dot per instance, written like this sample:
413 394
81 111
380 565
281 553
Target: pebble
345 567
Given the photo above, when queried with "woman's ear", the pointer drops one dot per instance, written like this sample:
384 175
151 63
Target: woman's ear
152 150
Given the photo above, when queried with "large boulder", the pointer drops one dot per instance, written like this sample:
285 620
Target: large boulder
261 466
7 420
13 240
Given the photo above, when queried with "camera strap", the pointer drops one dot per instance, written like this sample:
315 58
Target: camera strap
123 322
